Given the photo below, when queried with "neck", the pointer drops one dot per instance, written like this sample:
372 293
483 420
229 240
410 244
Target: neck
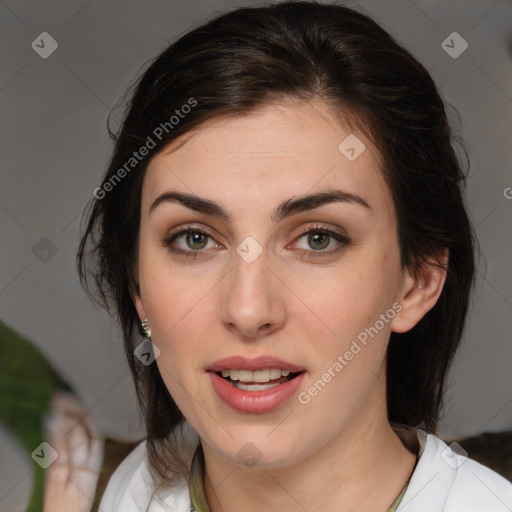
364 468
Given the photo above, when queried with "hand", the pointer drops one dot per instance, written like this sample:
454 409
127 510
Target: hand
71 480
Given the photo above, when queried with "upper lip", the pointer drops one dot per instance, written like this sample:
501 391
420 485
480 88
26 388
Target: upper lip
257 363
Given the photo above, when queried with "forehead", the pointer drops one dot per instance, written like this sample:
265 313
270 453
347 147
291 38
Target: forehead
276 151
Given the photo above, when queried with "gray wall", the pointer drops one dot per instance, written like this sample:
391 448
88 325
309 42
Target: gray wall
55 148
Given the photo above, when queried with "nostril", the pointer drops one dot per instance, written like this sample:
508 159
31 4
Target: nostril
265 327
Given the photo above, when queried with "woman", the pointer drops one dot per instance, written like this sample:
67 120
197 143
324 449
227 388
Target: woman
283 218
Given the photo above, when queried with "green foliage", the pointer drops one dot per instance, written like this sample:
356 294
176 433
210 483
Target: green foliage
27 381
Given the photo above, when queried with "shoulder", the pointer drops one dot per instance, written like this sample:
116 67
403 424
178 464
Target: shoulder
475 487
126 483
449 481
131 488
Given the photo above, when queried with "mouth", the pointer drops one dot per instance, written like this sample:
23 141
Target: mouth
255 385
258 380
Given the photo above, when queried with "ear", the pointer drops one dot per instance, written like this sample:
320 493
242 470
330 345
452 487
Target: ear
137 299
139 306
135 293
420 291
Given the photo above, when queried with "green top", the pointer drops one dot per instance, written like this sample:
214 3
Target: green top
395 504
196 489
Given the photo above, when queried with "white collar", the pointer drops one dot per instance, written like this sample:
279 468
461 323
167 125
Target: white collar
443 481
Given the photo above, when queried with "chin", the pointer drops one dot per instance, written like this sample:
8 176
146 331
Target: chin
256 448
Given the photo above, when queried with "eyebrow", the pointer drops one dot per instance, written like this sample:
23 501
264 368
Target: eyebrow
287 208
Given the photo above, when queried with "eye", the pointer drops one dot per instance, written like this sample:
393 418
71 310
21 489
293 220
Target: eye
189 241
193 242
317 239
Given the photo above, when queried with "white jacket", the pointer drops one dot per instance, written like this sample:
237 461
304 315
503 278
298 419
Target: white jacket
443 481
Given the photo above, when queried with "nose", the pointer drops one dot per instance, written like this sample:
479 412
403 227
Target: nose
253 304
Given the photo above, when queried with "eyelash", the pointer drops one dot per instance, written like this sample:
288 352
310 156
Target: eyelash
343 241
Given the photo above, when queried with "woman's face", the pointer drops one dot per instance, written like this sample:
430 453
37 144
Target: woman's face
260 282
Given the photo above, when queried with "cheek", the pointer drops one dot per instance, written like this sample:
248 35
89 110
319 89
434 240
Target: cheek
181 329
172 293
344 301
181 307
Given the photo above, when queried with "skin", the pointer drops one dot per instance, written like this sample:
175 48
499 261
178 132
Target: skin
339 448
71 480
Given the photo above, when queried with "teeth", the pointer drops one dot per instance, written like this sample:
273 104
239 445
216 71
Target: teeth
256 376
254 387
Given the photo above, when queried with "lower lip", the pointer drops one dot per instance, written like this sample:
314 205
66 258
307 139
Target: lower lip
255 401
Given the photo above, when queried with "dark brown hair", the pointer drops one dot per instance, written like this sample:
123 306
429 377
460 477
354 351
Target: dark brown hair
246 59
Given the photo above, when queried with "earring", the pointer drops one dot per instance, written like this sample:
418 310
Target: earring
420 286
146 328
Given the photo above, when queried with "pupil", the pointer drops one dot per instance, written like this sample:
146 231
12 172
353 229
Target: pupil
316 239
196 238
